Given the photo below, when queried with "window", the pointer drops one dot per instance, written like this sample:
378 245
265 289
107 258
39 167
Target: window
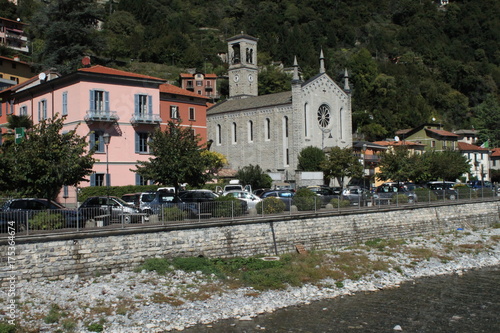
65 103
174 112
97 141
250 131
97 179
140 180
218 134
141 142
199 83
23 111
267 129
65 191
143 104
99 100
285 124
42 109
433 144
306 116
199 92
191 114
190 84
235 137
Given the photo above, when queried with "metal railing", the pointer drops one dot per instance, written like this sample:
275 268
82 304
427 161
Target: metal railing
36 222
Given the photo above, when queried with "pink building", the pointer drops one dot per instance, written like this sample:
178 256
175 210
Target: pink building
100 100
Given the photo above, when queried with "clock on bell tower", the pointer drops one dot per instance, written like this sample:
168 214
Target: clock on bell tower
243 71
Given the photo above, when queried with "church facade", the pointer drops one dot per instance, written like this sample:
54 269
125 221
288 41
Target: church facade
271 130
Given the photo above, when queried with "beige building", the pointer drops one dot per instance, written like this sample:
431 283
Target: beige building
271 130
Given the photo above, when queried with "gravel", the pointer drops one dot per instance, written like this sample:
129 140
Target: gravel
147 302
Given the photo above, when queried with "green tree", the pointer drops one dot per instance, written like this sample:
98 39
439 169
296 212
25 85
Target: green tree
396 165
46 160
447 165
177 158
68 28
341 163
488 121
254 175
273 80
310 159
124 35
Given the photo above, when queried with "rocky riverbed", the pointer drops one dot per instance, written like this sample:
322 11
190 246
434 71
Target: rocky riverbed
144 301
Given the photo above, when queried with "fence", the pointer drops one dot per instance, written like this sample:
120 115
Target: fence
27 223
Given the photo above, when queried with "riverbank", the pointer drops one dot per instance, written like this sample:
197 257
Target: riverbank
148 302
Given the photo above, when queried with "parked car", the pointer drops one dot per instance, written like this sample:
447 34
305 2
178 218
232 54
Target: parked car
387 191
22 211
131 198
325 193
259 191
356 195
251 199
478 184
205 200
443 189
111 209
284 195
154 202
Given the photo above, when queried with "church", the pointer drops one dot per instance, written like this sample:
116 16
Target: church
271 130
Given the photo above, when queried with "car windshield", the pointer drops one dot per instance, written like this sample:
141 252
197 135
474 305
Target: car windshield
120 201
148 197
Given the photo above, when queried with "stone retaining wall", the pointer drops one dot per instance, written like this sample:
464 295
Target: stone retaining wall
86 255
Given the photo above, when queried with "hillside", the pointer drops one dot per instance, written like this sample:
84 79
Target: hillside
409 61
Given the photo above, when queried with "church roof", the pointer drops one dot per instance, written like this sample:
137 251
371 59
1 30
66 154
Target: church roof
251 103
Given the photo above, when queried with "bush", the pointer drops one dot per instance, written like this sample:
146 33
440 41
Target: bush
305 199
116 191
425 195
271 205
226 206
160 265
335 202
46 220
400 198
174 214
7 328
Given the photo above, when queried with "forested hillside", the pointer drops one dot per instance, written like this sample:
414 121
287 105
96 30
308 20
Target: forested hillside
409 61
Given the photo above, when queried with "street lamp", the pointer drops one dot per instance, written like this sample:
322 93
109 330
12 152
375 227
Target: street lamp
107 138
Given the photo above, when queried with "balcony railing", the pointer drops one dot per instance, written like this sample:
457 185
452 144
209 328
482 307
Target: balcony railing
101 115
138 118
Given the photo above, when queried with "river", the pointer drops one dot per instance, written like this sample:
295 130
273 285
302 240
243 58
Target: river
453 303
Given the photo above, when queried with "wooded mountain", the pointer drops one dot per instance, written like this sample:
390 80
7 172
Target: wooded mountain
409 61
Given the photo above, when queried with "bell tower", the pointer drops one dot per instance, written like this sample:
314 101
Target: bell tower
243 71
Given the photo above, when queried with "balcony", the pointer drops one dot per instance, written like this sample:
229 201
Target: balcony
139 118
101 115
209 88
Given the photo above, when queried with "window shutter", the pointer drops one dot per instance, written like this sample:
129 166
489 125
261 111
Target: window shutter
39 110
92 179
92 140
136 105
106 100
137 142
150 104
1 107
92 101
65 103
101 141
108 179
137 179
44 110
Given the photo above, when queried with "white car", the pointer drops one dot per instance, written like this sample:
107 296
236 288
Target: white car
251 199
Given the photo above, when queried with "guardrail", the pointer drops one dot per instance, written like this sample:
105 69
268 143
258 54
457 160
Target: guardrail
53 222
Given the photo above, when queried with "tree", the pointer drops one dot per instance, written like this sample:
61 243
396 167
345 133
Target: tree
488 121
447 165
45 161
310 159
178 158
396 165
254 175
341 163
68 29
16 122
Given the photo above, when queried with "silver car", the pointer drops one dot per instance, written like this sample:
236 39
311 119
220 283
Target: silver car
251 199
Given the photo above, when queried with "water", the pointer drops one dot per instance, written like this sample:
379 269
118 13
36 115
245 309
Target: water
452 304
